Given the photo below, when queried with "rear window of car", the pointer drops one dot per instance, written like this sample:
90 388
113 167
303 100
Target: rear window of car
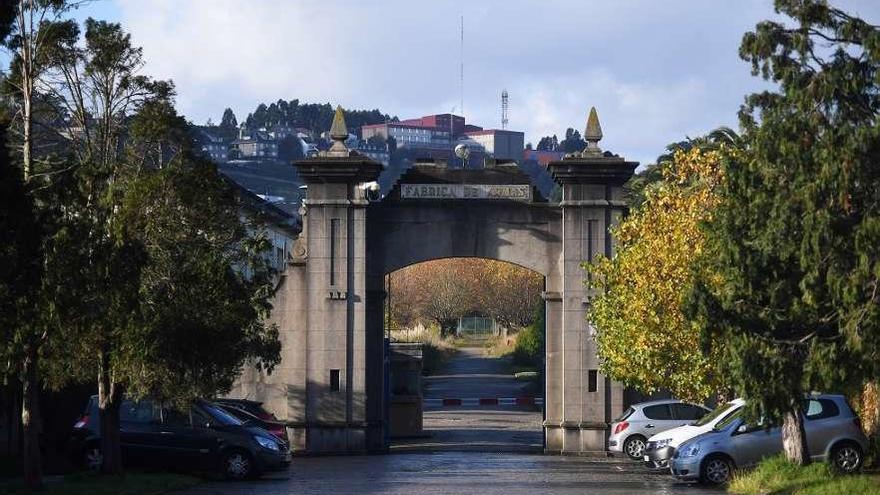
625 414
688 412
658 412
821 409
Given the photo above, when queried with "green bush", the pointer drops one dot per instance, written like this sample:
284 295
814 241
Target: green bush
529 350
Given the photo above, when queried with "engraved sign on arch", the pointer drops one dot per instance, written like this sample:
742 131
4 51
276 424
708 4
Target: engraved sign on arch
514 192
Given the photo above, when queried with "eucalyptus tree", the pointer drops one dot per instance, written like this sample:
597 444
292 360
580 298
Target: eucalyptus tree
28 29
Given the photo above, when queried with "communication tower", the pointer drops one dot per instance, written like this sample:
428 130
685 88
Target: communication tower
504 107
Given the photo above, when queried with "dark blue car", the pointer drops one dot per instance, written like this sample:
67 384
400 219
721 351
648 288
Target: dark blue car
203 438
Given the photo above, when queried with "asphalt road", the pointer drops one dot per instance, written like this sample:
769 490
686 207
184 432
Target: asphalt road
470 374
479 450
451 473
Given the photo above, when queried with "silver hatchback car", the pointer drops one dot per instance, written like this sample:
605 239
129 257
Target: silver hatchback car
631 430
833 433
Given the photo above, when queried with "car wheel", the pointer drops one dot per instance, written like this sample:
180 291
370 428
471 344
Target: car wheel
237 465
634 447
92 458
716 470
846 457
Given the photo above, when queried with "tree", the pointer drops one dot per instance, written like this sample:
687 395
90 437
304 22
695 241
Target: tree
445 290
20 272
449 296
28 29
643 337
572 142
100 86
638 185
508 293
794 264
548 143
228 121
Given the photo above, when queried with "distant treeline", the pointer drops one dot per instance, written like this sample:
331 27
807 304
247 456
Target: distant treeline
316 117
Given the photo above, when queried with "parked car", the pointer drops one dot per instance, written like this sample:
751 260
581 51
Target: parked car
205 437
832 428
254 407
631 430
660 447
276 428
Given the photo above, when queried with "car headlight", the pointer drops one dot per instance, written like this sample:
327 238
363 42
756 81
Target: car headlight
691 450
659 444
267 443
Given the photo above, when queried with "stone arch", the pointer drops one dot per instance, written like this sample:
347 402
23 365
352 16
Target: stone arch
330 383
399 235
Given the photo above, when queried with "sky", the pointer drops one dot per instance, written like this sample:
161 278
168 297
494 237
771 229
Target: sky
656 71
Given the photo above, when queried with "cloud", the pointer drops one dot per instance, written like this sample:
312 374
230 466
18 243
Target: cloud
656 71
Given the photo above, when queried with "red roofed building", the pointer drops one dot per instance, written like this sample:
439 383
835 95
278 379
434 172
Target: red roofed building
542 157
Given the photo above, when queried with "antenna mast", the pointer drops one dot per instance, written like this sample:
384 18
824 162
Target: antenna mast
461 83
504 104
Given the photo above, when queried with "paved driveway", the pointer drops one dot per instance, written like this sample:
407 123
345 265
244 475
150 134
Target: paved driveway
472 375
451 473
468 450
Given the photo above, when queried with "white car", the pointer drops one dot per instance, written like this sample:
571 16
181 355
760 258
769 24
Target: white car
660 447
631 430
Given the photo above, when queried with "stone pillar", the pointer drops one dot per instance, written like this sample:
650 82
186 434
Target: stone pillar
580 401
328 286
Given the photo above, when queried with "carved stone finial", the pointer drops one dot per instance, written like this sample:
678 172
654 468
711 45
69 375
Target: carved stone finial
338 133
593 133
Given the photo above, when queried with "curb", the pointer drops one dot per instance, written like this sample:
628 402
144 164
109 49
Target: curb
483 401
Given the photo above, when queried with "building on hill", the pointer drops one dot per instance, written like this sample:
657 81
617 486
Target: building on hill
255 144
542 157
213 143
280 227
446 121
374 152
410 136
500 144
436 136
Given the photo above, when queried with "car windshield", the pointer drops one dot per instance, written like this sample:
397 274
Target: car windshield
724 423
717 413
240 414
221 416
625 414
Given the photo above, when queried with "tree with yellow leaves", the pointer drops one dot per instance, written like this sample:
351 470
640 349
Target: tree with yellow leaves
643 338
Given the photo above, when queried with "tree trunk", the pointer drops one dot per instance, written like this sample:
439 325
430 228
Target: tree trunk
109 402
31 422
794 438
869 409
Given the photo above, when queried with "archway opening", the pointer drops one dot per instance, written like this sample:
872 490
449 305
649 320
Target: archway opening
466 355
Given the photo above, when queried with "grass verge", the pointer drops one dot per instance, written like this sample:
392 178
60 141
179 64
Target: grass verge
500 346
131 483
778 476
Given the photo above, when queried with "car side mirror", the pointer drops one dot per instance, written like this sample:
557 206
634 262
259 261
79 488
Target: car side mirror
743 428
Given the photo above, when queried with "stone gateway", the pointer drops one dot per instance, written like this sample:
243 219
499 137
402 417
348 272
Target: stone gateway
329 307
